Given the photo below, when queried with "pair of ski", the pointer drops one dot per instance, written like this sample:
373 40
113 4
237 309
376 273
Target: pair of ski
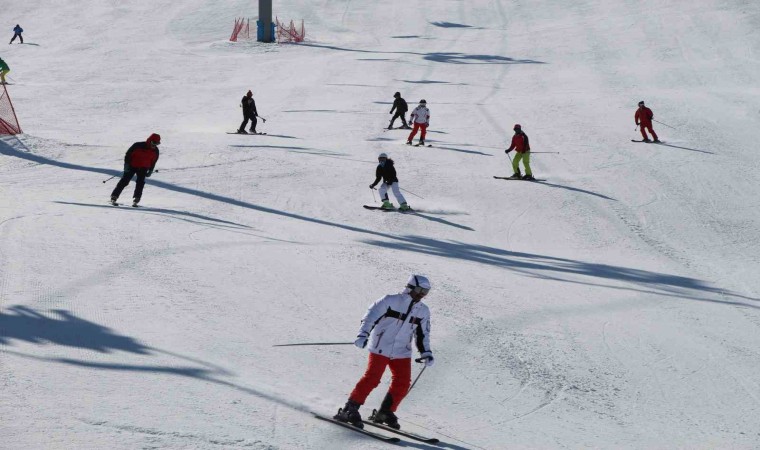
420 145
253 134
377 208
647 142
518 179
134 205
381 437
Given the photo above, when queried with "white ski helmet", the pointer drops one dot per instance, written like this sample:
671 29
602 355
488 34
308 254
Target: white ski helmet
418 284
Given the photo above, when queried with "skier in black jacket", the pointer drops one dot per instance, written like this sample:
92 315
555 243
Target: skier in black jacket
400 106
249 113
387 172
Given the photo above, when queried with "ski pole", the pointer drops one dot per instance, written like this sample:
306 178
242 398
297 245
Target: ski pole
109 179
418 377
373 194
409 192
313 343
664 124
265 120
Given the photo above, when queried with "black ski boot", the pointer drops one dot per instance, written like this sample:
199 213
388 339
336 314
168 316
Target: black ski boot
385 415
422 143
516 176
350 414
529 177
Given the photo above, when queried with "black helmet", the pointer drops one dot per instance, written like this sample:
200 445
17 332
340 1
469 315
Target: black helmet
423 102
397 94
517 127
641 103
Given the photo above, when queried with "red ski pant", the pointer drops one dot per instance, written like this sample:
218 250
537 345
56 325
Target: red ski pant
418 126
644 133
401 378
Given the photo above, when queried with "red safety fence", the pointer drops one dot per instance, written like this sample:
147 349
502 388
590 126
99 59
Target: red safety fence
242 29
8 120
290 33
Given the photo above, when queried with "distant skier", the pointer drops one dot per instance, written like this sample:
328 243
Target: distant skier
3 70
400 106
420 119
521 145
249 113
387 173
391 324
139 160
643 118
17 30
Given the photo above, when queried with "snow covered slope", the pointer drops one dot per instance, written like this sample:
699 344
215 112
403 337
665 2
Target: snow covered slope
615 305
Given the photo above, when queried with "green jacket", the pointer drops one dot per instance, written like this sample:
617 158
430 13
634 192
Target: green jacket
3 65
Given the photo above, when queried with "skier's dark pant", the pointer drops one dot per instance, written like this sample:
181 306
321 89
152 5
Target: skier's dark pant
396 116
246 118
125 181
16 35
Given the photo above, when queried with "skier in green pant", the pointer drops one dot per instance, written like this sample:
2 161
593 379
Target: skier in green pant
521 145
3 70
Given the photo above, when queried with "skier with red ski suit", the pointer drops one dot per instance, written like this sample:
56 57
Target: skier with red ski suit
420 119
643 119
388 329
139 160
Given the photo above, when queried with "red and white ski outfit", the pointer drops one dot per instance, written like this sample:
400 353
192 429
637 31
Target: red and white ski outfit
392 324
420 119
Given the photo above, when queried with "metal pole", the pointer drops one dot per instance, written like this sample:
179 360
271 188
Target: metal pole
265 18
410 192
313 343
415 380
664 124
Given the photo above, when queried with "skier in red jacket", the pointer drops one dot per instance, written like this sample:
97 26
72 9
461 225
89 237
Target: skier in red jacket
140 160
521 145
643 118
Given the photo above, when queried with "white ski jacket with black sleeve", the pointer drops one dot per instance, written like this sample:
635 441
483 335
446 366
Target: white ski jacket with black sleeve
393 322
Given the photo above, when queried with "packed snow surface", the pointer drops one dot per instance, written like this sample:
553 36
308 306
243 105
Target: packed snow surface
615 305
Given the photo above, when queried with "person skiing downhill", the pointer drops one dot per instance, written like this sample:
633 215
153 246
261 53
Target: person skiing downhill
521 145
420 119
387 330
400 106
643 119
139 160
387 173
17 30
4 69
249 113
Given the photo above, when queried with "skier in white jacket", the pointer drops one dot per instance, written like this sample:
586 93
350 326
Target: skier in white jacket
390 326
420 119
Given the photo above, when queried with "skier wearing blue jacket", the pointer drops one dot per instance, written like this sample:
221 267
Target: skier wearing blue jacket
17 30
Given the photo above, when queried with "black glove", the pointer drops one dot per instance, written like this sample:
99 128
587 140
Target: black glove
149 173
507 151
126 167
372 186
